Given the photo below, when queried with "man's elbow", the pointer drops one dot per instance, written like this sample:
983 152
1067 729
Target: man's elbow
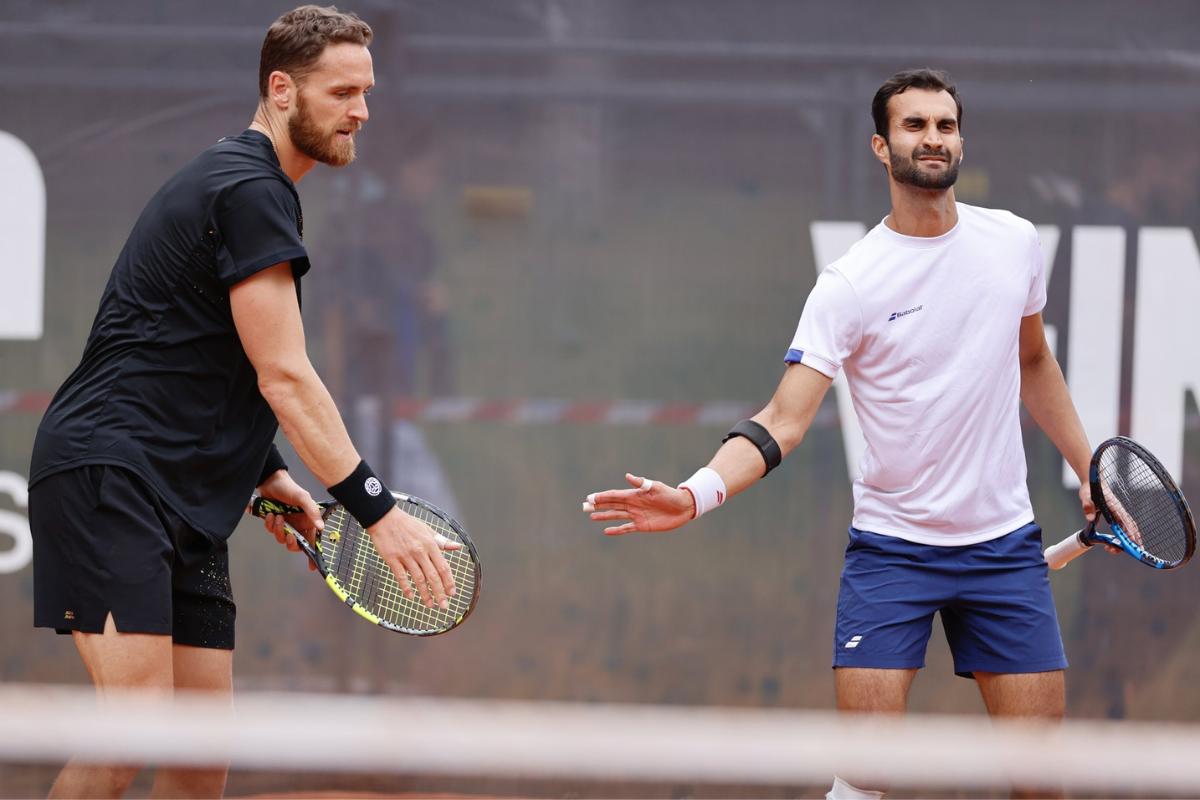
786 430
1035 357
279 382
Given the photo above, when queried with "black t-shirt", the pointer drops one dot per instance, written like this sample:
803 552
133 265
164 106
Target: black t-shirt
164 387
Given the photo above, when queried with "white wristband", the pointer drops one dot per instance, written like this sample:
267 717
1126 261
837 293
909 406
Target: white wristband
707 488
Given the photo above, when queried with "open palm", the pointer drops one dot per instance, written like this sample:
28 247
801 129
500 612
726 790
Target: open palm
651 507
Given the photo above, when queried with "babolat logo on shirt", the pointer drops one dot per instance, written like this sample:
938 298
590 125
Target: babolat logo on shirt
898 314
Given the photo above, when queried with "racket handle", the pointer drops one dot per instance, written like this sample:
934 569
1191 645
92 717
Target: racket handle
261 506
1066 551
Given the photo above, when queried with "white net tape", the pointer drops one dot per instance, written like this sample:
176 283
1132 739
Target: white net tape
335 733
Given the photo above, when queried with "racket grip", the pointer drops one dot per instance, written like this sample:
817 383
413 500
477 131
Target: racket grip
1066 551
261 506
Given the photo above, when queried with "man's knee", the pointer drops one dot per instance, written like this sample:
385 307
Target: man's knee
1030 694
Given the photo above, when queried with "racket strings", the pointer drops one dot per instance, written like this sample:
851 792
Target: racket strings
363 574
1142 503
460 562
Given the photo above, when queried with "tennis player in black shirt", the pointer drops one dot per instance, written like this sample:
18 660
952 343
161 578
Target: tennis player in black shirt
152 447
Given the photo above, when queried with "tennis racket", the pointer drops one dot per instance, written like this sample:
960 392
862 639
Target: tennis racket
1146 513
346 557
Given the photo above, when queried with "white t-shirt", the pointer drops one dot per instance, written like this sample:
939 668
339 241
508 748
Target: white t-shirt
927 331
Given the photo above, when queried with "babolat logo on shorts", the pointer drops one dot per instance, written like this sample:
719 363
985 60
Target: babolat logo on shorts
898 314
373 486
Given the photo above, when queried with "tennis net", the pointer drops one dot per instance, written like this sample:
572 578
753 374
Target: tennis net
529 741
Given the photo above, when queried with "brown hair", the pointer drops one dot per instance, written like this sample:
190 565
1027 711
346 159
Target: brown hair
296 40
933 79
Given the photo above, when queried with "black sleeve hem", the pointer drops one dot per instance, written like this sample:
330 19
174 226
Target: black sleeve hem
273 464
297 255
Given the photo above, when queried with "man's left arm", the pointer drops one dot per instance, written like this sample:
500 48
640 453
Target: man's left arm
1044 393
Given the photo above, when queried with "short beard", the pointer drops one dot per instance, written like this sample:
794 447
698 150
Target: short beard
315 143
908 171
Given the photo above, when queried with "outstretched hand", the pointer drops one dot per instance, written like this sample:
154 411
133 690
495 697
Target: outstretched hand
650 507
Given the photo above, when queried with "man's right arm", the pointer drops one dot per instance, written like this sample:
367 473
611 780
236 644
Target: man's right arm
267 316
738 462
829 330
787 417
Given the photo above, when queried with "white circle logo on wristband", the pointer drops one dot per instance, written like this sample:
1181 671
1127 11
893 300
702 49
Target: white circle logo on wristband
373 487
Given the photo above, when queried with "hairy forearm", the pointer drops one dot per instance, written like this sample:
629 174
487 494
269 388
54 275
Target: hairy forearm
311 422
1045 394
739 463
787 417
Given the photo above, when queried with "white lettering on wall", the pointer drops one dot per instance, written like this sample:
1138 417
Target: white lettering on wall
1166 344
1094 350
14 525
22 240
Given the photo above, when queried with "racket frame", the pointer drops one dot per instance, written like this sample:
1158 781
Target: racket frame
1089 536
260 506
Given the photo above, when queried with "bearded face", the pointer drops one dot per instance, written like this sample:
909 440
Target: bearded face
328 144
926 168
922 145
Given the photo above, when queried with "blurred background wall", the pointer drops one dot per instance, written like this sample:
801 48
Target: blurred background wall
576 243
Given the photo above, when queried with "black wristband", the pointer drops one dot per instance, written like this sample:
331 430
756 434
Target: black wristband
364 495
273 464
768 448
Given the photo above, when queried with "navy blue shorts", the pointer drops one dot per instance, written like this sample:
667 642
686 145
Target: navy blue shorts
994 598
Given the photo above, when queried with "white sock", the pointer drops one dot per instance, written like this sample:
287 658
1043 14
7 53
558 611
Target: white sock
844 791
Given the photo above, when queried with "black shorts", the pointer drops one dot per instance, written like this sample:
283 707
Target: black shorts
103 542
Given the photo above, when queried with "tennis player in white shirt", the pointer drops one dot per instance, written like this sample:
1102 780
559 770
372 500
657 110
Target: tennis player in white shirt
935 318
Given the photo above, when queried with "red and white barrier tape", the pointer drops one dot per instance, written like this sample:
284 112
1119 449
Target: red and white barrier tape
17 402
539 411
519 411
